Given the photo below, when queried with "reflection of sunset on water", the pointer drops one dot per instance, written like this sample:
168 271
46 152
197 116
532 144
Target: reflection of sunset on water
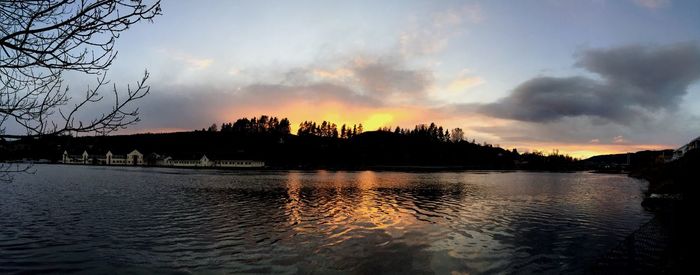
461 219
354 221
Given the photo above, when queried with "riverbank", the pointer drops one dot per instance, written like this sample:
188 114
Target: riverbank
377 168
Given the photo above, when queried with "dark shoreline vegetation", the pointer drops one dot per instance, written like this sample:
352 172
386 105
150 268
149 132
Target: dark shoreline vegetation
322 145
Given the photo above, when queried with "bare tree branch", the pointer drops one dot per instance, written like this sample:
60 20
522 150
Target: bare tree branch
40 40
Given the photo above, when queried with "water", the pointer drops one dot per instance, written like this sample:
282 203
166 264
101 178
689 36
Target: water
146 220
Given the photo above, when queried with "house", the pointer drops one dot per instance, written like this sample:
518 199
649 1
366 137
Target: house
218 161
135 158
68 158
680 152
99 158
234 160
154 159
113 159
188 160
240 163
164 162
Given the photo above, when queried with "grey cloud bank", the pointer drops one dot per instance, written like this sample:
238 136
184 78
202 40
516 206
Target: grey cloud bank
633 81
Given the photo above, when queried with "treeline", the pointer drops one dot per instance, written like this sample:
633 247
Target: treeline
316 145
432 131
553 161
262 125
328 129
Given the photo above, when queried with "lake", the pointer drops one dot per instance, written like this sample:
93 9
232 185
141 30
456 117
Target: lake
146 220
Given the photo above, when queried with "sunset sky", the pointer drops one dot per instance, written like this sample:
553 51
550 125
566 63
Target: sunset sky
584 77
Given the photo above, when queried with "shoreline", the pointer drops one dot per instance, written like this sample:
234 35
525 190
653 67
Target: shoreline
377 168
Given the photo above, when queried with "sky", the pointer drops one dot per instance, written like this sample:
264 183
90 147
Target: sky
582 77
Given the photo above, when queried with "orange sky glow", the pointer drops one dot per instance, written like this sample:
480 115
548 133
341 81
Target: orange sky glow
373 118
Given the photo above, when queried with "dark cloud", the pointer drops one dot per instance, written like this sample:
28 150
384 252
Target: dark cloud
634 81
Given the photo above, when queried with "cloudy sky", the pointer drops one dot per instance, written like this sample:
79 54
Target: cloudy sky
584 77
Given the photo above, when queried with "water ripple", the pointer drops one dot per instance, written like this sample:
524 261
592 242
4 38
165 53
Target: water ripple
136 220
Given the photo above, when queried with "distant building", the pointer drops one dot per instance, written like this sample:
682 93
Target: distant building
205 161
239 163
188 161
113 159
69 158
136 158
680 152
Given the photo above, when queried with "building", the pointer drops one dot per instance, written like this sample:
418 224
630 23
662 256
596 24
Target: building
240 163
99 158
132 158
113 159
136 158
74 158
680 152
233 160
188 161
194 160
121 158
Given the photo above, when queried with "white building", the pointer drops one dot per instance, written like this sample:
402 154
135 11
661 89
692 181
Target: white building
180 162
680 152
75 159
135 158
112 159
240 163
205 161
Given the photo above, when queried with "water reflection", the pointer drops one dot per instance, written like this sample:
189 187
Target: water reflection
302 222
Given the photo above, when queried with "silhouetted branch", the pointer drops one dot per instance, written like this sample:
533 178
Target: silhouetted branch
41 40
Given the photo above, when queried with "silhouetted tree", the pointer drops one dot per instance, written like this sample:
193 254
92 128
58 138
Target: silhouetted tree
284 126
457 135
212 128
42 40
